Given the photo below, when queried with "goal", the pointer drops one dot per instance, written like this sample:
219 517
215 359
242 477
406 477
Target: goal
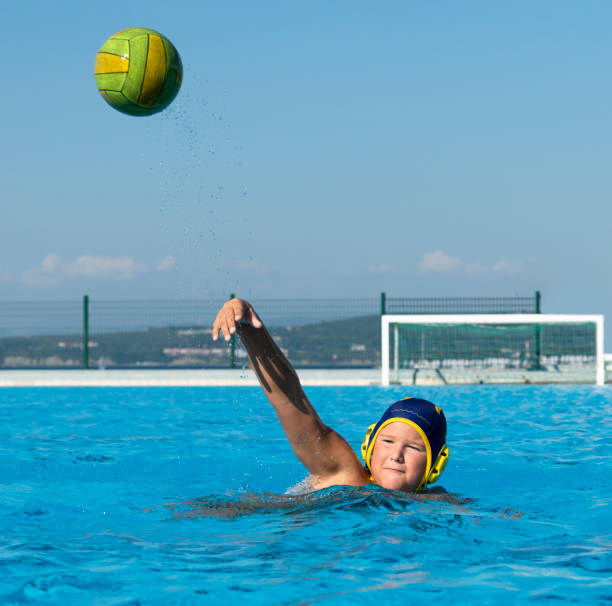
492 348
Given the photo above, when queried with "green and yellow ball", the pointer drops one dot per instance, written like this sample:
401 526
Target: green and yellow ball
138 71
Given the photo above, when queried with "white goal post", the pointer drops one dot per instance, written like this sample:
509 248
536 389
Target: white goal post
395 320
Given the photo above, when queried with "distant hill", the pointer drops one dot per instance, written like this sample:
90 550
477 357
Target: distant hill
350 342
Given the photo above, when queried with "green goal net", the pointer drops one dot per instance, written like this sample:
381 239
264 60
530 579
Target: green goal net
510 348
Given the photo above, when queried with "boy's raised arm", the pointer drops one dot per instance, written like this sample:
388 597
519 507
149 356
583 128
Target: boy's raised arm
325 453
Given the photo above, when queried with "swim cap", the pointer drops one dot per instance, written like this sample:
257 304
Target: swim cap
430 422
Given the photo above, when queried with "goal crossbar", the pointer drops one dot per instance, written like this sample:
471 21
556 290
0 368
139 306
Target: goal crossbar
500 319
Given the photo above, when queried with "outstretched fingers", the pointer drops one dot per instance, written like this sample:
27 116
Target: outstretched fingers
225 322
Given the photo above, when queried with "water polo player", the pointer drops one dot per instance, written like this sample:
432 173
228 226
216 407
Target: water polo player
405 450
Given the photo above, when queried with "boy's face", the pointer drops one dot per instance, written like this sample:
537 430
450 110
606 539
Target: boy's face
399 458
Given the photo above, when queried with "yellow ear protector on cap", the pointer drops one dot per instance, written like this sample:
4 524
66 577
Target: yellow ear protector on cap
366 441
438 467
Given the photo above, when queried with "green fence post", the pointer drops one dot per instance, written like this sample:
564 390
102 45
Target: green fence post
232 345
383 303
538 300
85 332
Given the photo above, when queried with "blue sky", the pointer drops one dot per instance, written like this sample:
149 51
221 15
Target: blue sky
316 149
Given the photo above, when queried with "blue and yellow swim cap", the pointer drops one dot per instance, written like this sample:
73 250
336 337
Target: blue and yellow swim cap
429 421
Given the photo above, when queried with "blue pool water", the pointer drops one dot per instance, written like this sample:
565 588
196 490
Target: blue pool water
173 496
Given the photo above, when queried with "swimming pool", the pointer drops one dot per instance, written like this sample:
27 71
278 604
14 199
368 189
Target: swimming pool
167 495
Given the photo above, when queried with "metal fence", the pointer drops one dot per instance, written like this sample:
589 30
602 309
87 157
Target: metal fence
117 316
164 333
30 318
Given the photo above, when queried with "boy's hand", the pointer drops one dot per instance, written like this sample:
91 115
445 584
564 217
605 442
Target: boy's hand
232 313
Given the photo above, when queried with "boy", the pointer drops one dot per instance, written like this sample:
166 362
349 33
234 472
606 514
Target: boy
405 450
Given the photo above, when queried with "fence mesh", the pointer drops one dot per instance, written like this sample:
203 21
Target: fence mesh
462 305
28 318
